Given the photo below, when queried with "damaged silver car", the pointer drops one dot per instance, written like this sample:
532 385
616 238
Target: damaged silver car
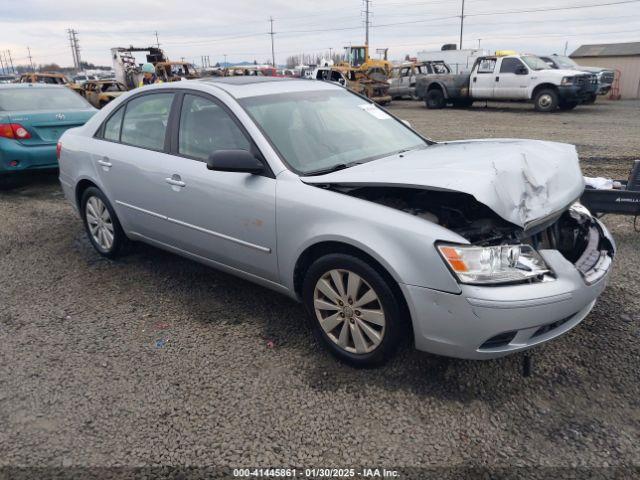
474 249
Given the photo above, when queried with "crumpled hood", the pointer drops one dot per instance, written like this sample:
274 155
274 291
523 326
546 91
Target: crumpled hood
523 181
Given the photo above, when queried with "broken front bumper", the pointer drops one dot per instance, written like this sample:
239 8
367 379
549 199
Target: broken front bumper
487 322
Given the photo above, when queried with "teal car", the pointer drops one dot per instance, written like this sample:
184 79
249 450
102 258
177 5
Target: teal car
32 119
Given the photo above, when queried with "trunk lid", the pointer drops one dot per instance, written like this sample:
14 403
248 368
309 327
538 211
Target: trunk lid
523 181
46 127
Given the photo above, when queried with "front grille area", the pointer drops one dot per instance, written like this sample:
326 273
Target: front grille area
498 341
551 326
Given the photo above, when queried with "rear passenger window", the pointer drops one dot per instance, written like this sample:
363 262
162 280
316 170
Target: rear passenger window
112 127
487 65
206 127
145 121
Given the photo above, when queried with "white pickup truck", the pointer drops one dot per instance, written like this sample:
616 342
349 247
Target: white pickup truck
509 78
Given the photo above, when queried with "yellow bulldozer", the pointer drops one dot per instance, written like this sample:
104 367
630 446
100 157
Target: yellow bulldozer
367 75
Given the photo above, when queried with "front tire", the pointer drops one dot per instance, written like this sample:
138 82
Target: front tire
435 99
101 223
546 100
354 311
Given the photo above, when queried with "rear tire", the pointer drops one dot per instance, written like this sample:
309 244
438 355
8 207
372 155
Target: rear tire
435 99
101 224
354 311
546 100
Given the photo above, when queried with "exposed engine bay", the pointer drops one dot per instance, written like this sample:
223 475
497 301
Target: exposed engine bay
574 232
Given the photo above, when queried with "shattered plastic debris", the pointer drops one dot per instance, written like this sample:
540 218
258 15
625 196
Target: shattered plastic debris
271 344
161 343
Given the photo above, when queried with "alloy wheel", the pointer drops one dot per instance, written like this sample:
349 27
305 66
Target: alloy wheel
99 223
349 311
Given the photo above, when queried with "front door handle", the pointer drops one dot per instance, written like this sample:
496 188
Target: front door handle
105 163
497 79
175 181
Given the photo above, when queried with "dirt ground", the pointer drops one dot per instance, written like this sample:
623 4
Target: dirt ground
156 360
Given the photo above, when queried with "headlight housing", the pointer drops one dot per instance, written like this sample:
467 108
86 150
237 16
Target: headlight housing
493 265
567 80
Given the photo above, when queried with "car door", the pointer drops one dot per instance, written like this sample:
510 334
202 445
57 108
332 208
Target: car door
512 80
482 78
227 217
134 167
405 81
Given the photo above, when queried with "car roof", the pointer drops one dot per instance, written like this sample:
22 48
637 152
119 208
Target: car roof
253 86
31 85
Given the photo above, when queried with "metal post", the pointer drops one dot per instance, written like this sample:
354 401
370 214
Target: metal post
13 70
157 40
461 25
273 54
2 65
30 60
366 37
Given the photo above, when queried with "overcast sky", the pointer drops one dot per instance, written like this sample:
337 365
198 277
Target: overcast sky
192 28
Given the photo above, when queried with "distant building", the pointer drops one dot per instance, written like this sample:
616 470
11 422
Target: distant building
624 57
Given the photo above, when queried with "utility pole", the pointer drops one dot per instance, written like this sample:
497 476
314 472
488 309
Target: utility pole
2 65
75 49
157 40
566 45
77 45
366 21
30 60
273 54
225 60
461 25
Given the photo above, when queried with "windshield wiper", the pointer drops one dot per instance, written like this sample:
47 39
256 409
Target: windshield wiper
334 168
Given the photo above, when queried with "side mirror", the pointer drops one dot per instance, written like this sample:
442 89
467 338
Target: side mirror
522 71
235 161
407 123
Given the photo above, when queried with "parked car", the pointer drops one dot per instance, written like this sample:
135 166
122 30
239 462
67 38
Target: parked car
32 119
316 193
603 76
50 78
509 77
101 92
402 82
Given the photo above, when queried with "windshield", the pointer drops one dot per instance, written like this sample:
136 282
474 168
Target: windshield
322 130
565 62
535 63
19 99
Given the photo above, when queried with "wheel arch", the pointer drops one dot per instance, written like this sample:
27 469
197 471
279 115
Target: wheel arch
543 86
81 187
436 85
325 247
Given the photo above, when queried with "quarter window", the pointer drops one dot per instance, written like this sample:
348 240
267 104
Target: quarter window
112 127
206 127
145 121
510 65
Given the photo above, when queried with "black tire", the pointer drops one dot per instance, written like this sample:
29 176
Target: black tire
546 100
395 327
565 106
120 240
435 99
10 181
591 99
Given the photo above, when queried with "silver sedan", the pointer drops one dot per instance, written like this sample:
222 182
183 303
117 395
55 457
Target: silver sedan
472 249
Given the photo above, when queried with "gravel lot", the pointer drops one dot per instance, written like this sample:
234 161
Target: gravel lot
154 359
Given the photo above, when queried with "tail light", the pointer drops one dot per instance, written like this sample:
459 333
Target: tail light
58 150
14 131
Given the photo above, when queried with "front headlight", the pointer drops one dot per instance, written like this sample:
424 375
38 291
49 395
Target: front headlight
493 265
567 80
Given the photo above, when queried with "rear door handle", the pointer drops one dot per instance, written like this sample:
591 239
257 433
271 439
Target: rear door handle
175 181
104 161
497 79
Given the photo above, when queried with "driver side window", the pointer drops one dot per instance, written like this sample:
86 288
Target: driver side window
206 127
